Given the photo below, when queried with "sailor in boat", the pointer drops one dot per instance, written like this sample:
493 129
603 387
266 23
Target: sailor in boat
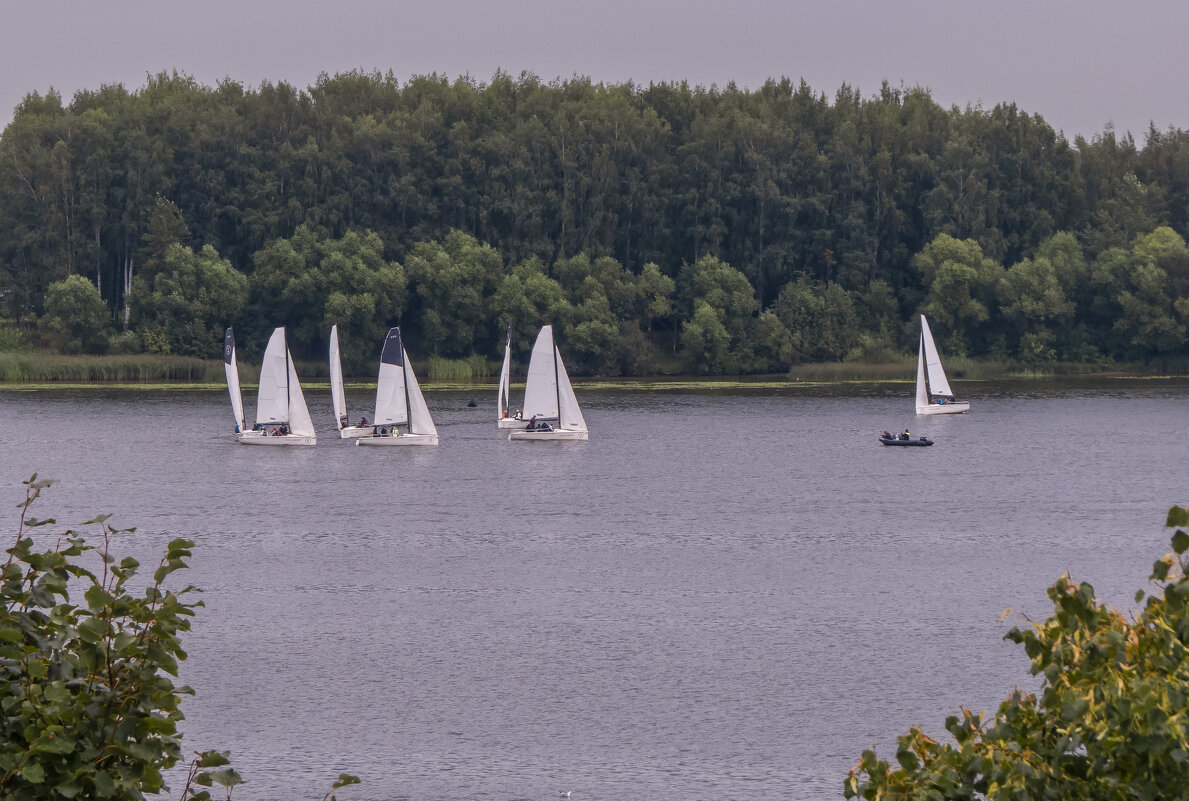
532 424
906 435
887 435
362 422
544 427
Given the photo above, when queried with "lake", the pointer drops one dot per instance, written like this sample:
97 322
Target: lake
720 595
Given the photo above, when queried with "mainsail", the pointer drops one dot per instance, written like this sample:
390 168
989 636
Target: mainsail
337 395
540 391
272 399
232 370
504 400
391 396
937 383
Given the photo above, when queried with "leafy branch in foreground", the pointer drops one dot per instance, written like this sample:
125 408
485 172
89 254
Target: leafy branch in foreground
88 706
1111 720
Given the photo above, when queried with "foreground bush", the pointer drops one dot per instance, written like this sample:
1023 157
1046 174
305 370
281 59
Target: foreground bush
1110 721
88 706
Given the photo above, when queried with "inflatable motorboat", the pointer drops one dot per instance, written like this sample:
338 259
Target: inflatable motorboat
920 442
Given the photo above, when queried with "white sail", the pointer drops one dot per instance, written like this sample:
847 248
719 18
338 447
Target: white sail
937 383
337 396
299 415
922 393
272 399
540 391
570 414
419 420
503 402
232 369
391 406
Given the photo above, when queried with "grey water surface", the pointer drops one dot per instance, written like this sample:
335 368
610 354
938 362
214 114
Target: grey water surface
722 595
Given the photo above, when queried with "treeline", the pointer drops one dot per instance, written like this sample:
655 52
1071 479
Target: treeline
664 227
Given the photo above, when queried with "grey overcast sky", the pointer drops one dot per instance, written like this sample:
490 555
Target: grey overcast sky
1080 65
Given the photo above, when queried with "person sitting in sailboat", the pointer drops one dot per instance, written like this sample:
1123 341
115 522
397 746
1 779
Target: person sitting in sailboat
532 424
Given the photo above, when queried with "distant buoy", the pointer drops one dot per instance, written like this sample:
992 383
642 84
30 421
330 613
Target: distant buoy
472 403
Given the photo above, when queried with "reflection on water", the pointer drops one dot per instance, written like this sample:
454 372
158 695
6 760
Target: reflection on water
723 595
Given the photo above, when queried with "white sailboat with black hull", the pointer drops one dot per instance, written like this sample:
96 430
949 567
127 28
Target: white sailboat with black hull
338 395
505 418
282 417
934 395
550 406
402 418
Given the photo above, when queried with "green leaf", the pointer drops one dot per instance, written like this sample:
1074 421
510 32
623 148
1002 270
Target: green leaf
1180 541
92 629
344 780
1177 516
32 772
213 759
227 778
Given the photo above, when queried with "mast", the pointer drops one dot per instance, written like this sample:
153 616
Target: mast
556 382
404 372
288 402
506 386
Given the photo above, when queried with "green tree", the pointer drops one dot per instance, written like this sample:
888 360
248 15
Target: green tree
961 283
821 321
451 285
308 284
76 318
1030 299
1143 293
726 292
706 341
528 299
185 302
1107 725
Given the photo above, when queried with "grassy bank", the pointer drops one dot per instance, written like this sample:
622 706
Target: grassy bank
38 368
42 368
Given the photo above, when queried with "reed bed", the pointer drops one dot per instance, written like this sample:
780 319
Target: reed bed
40 367
460 370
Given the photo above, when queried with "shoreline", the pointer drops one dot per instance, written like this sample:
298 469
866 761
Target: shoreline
641 384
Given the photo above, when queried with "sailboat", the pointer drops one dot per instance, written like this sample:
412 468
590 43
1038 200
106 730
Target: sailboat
549 397
934 395
399 401
504 416
281 414
338 396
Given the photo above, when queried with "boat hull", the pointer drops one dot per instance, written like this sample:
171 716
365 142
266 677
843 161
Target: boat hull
352 432
510 422
956 407
562 435
403 439
922 442
256 438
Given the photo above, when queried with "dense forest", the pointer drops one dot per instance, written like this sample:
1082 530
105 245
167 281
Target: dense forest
660 228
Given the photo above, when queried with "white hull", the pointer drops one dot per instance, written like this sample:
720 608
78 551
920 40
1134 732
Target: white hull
351 432
403 439
511 422
549 435
256 438
956 407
